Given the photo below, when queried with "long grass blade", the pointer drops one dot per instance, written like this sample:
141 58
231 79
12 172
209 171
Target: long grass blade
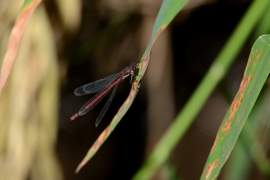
15 39
255 75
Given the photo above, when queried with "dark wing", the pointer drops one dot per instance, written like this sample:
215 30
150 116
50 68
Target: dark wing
96 99
106 106
96 86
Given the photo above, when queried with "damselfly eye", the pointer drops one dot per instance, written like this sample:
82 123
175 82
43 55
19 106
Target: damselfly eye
134 68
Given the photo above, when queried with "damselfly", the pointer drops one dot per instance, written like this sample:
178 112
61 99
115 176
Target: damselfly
102 87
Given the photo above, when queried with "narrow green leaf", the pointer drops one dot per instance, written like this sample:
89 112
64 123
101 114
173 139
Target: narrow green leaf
167 12
255 75
250 143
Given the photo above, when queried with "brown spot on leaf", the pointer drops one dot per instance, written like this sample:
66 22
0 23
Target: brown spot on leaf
248 63
99 141
214 145
95 146
246 80
237 102
257 57
251 57
227 125
235 105
210 169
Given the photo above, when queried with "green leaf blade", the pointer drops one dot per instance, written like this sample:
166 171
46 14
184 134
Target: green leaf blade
168 10
254 78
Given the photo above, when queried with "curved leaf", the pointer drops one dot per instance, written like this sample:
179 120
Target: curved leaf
167 12
255 75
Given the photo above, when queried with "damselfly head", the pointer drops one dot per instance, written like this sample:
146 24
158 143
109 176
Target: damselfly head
134 65
134 68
